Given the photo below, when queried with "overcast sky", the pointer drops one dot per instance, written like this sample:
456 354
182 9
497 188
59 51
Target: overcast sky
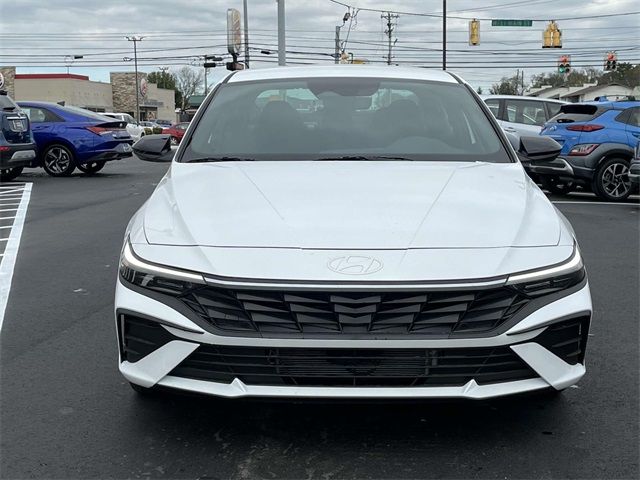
36 35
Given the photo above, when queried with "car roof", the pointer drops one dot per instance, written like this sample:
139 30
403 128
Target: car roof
355 71
522 97
38 103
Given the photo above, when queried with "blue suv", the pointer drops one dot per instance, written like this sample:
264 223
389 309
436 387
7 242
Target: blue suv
598 140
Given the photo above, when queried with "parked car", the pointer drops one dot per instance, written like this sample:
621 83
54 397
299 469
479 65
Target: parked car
522 115
69 137
164 123
134 128
17 147
400 253
598 140
151 127
176 131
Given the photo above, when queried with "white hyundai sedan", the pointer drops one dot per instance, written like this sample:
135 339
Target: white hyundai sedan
350 232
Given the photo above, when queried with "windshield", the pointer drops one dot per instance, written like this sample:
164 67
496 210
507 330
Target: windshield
344 118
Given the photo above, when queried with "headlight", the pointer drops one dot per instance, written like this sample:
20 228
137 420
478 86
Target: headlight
156 277
550 279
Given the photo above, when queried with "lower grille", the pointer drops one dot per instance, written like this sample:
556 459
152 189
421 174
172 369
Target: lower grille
139 337
567 340
353 367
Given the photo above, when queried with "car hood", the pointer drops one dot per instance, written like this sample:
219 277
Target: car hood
349 205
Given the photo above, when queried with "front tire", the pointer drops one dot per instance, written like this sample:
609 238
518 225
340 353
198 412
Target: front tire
8 174
174 141
557 187
611 181
92 167
58 161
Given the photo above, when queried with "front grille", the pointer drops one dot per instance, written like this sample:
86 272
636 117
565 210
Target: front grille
567 339
353 367
307 314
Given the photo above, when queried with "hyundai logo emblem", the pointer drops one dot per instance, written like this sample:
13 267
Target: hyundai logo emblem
355 265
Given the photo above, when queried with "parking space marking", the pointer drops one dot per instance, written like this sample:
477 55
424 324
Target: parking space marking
9 245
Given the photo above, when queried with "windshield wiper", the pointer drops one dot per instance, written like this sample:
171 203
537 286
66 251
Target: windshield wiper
345 157
221 159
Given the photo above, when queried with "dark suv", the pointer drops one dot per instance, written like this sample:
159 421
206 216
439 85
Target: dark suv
17 147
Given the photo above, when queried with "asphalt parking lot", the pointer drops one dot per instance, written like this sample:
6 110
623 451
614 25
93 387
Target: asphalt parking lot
67 413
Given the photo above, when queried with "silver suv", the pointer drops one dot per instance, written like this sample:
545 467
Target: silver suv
522 115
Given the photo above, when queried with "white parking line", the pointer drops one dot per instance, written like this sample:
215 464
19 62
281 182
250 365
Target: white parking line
11 251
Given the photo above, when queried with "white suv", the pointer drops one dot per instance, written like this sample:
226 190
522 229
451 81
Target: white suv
522 115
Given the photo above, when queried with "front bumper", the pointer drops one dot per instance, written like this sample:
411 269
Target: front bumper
184 340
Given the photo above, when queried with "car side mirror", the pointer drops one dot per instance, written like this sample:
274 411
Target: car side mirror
154 148
537 149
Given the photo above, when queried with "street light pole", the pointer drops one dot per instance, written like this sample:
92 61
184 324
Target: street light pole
246 34
135 39
282 55
444 34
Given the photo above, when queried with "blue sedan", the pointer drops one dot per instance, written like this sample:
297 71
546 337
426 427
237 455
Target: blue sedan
68 137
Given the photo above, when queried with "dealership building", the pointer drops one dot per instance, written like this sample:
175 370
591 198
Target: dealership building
119 95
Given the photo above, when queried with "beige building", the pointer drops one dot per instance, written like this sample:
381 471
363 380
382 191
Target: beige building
117 96
72 89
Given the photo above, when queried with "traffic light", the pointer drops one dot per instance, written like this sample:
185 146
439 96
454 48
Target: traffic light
552 36
474 32
210 61
611 61
564 64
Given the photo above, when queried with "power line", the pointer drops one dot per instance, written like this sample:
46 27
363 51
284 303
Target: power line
436 15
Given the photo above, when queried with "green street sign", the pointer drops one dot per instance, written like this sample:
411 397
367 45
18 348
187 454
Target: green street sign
511 23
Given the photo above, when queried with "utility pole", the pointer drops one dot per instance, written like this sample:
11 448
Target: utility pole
135 39
389 31
444 34
246 34
282 55
336 51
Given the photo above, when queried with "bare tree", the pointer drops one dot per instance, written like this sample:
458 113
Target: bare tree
188 80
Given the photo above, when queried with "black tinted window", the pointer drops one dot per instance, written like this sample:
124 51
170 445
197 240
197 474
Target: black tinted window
306 119
578 113
633 116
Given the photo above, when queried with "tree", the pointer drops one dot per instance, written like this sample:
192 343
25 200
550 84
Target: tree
626 74
576 78
506 86
479 90
188 80
164 79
